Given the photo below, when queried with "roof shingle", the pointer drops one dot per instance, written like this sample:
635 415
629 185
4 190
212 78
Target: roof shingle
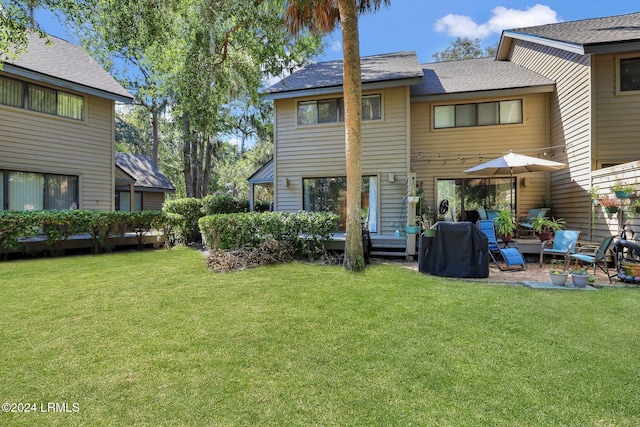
68 62
610 29
473 75
144 170
376 68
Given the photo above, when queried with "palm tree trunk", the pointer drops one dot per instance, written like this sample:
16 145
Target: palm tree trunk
353 252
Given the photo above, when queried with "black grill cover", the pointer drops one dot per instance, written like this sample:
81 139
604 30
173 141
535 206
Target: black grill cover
459 249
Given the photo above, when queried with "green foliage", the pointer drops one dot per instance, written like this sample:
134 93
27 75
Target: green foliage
56 226
190 209
542 223
13 226
623 187
223 204
464 48
505 222
307 231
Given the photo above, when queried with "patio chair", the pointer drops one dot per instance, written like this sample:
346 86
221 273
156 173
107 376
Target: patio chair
594 255
511 255
526 225
564 243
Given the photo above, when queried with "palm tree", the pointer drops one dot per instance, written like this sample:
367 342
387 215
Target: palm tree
323 16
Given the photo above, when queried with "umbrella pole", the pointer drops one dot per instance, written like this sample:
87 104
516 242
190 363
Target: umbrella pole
511 188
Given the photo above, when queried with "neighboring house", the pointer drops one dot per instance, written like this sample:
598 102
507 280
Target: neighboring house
139 183
57 127
568 92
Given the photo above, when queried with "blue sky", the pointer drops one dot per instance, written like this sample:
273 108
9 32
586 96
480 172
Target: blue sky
430 26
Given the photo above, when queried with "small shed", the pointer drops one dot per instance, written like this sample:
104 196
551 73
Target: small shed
139 183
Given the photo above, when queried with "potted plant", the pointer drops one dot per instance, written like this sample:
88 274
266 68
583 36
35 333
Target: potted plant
558 276
622 190
545 227
505 224
610 205
636 207
580 277
594 192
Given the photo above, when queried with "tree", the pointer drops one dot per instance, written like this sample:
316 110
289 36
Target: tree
464 48
323 16
17 18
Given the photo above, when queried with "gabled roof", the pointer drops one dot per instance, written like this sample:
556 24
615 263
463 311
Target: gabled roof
387 70
587 36
466 77
144 171
264 175
66 65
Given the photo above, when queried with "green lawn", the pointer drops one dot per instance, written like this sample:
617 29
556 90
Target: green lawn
153 338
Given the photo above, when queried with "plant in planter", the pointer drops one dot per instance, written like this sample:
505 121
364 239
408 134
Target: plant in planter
594 192
545 227
609 204
580 277
622 190
558 275
505 224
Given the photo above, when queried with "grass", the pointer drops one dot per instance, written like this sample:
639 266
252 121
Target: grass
153 338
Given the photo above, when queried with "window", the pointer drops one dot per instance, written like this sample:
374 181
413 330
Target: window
27 191
480 114
40 98
330 195
11 92
629 74
332 110
123 202
469 196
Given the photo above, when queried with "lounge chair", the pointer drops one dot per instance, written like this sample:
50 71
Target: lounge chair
564 243
526 225
594 255
511 255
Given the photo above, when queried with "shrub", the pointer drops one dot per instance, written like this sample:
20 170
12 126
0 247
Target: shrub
305 231
223 204
262 206
13 226
190 209
56 226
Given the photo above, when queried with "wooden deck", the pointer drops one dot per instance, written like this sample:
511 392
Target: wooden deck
83 242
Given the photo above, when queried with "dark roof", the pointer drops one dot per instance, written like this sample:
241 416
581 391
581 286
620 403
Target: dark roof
588 32
376 68
144 171
69 66
474 75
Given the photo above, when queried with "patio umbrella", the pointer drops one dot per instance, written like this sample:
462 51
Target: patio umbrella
511 164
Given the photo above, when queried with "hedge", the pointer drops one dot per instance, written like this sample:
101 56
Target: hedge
56 226
192 209
307 231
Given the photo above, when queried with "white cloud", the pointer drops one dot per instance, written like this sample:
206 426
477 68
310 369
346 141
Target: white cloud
502 19
335 46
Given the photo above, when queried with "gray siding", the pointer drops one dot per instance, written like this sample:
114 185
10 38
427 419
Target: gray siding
319 151
152 200
570 125
479 144
37 142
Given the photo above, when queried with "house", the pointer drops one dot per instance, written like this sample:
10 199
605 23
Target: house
140 183
57 127
568 92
